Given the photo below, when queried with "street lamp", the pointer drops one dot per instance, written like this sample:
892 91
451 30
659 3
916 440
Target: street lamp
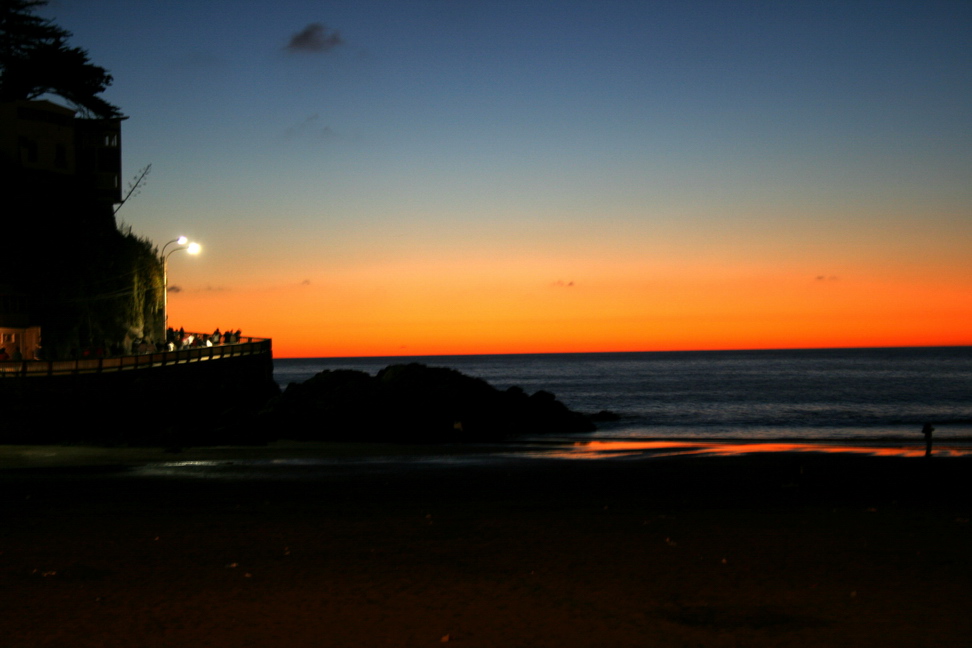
183 244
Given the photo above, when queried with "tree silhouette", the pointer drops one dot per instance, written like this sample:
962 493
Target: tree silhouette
35 59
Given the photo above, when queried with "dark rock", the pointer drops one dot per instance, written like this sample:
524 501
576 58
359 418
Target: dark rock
414 403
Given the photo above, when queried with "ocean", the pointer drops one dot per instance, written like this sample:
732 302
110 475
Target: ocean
839 395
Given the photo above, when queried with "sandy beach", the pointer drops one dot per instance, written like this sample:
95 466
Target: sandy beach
771 549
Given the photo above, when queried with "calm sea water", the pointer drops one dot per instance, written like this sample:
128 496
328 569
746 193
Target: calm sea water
833 394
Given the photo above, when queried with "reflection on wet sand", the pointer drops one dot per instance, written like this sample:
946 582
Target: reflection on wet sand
605 449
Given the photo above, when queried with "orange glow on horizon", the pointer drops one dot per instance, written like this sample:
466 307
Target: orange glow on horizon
469 307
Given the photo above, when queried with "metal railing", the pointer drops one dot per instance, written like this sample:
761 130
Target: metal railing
27 368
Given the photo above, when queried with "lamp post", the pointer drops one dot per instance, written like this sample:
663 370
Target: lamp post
183 244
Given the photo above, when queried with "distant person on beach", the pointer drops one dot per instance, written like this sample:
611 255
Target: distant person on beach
927 431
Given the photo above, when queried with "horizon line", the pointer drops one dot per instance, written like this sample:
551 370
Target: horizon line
659 351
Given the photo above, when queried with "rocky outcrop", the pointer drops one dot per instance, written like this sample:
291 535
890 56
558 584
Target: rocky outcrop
414 403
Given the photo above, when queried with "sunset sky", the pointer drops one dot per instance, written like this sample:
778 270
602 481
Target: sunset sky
471 176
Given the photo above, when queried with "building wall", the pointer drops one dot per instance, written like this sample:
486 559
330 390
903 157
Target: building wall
46 138
38 136
98 146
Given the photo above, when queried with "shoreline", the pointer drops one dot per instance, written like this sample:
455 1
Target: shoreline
26 457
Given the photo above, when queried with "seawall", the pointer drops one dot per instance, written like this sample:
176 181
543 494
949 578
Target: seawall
189 402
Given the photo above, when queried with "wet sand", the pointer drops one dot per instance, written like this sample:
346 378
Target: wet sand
773 549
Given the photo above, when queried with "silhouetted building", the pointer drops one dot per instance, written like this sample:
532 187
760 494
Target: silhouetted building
60 179
48 146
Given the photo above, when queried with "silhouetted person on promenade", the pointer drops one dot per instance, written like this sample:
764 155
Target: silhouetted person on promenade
927 431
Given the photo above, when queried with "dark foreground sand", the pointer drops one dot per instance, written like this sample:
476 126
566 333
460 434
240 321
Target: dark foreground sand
781 549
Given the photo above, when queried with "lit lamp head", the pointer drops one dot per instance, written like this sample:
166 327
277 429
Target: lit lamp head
182 240
193 248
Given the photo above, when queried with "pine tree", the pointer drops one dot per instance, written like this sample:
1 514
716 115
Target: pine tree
35 59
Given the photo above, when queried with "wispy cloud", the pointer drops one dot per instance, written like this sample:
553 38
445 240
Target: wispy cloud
560 283
310 128
207 288
826 278
299 285
315 37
